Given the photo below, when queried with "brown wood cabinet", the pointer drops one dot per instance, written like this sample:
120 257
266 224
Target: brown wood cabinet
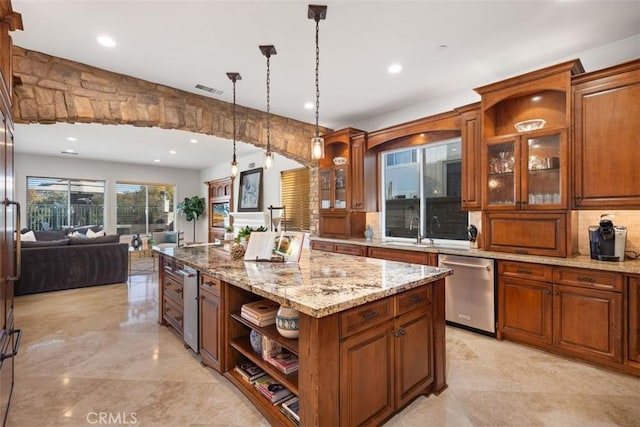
572 311
220 204
346 191
415 257
340 248
606 138
171 294
211 322
386 354
633 313
471 157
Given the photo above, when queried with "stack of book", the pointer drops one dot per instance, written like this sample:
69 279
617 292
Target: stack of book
261 313
290 409
285 361
249 371
272 389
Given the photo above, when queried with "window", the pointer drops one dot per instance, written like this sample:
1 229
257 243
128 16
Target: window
422 188
144 208
294 191
58 203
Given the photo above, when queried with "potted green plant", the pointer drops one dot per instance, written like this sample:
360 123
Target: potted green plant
192 208
228 235
245 232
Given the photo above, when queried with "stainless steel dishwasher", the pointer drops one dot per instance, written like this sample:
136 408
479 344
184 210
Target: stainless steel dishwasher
470 293
191 308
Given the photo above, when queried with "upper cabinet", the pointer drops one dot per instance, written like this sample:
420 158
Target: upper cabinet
525 122
471 135
607 137
220 204
347 184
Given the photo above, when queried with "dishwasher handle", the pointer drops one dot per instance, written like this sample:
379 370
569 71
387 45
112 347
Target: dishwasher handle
460 264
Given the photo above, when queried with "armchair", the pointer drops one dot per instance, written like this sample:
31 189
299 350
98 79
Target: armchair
168 239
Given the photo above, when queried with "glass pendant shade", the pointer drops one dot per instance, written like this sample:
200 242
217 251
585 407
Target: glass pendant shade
234 169
268 160
317 148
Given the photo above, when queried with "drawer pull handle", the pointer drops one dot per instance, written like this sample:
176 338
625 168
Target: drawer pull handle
415 299
586 279
523 271
178 318
16 344
396 333
209 284
178 291
522 251
402 331
369 315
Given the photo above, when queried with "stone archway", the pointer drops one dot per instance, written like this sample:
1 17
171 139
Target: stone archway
53 89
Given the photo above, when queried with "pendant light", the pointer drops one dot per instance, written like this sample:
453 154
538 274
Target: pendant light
267 51
317 142
234 165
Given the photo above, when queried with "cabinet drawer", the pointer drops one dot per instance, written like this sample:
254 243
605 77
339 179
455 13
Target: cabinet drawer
399 255
350 249
167 264
323 246
211 284
414 298
172 288
360 318
172 314
593 279
525 270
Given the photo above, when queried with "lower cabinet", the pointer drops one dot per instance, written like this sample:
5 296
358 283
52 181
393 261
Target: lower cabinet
171 294
633 293
401 255
573 311
386 355
339 248
211 322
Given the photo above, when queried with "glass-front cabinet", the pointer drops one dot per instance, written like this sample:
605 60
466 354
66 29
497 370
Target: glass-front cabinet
333 187
526 171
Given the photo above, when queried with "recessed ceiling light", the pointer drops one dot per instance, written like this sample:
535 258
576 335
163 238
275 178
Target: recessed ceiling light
536 98
193 141
308 105
106 41
156 160
71 138
442 47
395 68
172 151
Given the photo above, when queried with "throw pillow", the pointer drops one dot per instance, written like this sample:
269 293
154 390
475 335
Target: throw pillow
92 234
171 238
77 234
29 236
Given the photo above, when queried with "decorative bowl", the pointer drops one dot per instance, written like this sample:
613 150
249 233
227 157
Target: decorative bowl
529 125
339 161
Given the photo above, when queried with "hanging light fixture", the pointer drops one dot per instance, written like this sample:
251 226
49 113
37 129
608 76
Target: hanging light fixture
317 142
267 51
234 165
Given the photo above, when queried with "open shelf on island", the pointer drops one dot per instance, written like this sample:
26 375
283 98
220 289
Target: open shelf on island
270 331
243 346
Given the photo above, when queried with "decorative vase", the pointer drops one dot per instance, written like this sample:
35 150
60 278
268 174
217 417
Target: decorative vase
368 233
287 322
255 338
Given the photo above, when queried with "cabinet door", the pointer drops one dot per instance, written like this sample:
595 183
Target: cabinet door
606 139
527 233
501 173
588 322
414 355
525 310
211 349
367 361
471 166
634 319
357 173
544 160
325 184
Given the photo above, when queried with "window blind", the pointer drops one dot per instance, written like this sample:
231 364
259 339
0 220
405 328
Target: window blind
294 192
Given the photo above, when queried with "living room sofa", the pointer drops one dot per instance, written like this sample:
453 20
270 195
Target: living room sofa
58 261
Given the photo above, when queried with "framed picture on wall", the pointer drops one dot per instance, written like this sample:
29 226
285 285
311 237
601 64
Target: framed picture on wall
250 193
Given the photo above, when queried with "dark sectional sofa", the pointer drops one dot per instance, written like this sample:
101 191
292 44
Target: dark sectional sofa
57 261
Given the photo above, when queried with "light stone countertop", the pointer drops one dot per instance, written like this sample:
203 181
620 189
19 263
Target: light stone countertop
322 283
579 261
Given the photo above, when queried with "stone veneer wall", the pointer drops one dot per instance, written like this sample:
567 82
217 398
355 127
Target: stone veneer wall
54 90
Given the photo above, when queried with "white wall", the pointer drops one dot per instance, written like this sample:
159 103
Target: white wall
592 60
187 182
270 178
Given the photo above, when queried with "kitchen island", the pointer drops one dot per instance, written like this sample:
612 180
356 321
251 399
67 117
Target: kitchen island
371 331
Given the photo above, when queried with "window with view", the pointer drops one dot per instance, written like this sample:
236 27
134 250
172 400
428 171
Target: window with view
421 193
59 203
144 208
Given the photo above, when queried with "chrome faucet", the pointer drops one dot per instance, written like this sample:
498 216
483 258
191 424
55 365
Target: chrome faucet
434 221
418 236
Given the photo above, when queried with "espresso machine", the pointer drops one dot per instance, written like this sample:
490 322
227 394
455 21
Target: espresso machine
607 241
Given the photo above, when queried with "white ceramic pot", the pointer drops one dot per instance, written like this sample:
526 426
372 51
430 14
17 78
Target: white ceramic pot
287 322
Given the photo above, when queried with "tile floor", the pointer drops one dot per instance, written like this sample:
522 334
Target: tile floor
99 352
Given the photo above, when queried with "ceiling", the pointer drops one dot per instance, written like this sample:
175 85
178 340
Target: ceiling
182 44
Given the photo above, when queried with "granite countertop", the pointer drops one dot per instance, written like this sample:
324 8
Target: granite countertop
578 261
322 283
